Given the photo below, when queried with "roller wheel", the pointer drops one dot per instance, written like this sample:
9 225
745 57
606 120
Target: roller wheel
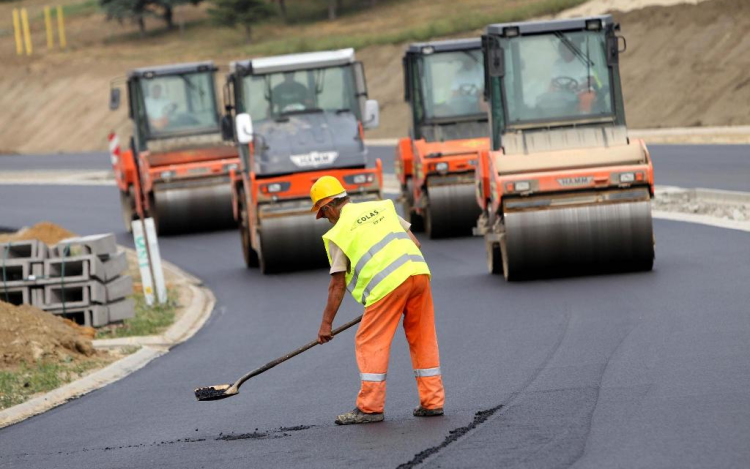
251 257
567 241
127 203
452 210
291 243
494 258
417 222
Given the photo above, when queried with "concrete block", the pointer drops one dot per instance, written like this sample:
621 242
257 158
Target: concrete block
15 295
20 272
115 265
102 245
77 269
94 316
119 288
31 249
36 296
123 309
74 295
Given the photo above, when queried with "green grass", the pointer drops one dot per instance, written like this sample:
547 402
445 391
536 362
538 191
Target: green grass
84 8
147 321
19 385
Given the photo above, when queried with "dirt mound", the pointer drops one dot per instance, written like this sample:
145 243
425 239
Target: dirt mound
28 334
687 65
46 232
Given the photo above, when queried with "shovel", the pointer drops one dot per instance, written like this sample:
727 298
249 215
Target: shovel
222 391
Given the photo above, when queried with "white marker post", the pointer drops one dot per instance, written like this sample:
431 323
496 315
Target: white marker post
143 264
153 247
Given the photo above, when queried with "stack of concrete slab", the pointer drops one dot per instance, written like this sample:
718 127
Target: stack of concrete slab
79 278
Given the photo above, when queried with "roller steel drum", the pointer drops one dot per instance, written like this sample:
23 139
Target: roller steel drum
200 208
588 238
453 210
292 243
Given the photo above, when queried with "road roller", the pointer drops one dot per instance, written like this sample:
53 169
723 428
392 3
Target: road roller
443 83
183 162
295 118
563 189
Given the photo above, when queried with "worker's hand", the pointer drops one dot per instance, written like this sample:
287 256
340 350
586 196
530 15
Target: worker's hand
324 334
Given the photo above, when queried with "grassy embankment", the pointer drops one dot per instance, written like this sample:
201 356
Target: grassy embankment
148 320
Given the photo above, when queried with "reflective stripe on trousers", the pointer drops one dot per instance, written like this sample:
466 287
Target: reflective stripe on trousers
370 254
376 377
387 271
425 372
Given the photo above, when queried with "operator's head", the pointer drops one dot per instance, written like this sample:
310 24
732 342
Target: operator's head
328 197
288 77
156 91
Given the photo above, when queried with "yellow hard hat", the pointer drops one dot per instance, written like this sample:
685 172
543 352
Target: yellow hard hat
324 190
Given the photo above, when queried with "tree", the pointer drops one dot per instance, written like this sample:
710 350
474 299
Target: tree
334 6
137 10
282 7
243 13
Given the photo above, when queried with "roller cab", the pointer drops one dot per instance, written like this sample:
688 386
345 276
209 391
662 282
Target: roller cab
178 156
294 119
443 83
563 188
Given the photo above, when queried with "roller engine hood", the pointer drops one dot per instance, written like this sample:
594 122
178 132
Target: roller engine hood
308 142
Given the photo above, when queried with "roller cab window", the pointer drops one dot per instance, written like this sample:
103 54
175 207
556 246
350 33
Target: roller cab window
179 104
276 96
555 78
452 85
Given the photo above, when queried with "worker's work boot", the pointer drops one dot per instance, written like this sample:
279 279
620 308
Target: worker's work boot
357 416
422 412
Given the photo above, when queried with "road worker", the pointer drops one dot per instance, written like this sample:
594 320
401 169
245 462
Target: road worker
375 256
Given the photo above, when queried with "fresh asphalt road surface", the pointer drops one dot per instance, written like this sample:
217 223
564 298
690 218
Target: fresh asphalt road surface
633 370
709 166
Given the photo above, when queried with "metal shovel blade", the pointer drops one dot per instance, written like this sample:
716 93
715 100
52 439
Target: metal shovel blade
214 393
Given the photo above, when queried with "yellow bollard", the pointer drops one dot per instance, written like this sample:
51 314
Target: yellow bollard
17 30
48 25
26 32
61 26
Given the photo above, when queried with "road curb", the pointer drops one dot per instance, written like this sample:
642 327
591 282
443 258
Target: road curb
702 220
194 317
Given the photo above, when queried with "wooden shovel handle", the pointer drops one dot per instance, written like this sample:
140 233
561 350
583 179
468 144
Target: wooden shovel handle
286 357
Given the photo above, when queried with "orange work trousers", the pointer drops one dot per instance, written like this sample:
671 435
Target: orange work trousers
413 299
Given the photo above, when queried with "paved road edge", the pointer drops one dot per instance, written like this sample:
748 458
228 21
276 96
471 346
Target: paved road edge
194 317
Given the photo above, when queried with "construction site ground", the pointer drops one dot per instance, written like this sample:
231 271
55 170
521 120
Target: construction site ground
686 66
593 371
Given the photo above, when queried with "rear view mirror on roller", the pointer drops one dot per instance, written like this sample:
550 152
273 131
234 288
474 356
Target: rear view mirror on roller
114 98
244 126
372 114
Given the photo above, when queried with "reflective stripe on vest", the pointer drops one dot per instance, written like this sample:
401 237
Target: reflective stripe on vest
369 255
425 372
376 377
381 253
387 271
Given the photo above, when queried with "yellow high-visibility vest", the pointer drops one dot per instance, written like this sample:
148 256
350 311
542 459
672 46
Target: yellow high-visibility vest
380 252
